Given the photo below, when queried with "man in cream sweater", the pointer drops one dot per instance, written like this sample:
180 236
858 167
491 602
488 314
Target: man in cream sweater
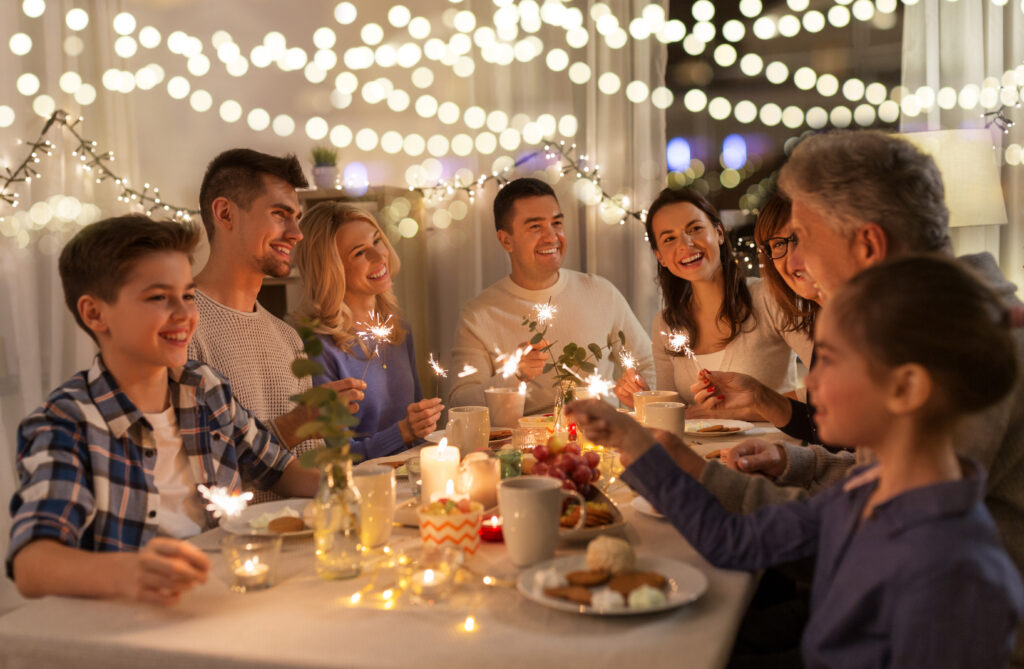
588 307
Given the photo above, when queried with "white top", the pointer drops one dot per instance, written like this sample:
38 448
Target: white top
761 350
589 309
180 513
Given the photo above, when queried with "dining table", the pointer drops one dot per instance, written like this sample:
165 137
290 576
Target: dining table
304 621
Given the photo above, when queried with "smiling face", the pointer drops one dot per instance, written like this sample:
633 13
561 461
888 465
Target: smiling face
822 250
687 241
535 241
151 321
269 229
364 253
847 394
791 268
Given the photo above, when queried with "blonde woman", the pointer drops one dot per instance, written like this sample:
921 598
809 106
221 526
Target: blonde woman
347 263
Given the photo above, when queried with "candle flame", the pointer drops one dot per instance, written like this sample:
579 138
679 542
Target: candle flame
449 489
428 577
436 366
545 312
223 502
467 371
442 445
522 387
470 623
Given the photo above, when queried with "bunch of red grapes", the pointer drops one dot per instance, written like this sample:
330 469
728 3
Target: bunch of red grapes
562 459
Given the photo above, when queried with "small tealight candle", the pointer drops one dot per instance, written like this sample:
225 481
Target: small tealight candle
430 584
251 575
490 529
251 561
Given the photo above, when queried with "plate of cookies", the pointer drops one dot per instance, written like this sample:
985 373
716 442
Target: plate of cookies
603 517
278 518
718 427
610 580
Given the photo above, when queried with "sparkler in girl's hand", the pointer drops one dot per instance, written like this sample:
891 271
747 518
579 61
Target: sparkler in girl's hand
378 332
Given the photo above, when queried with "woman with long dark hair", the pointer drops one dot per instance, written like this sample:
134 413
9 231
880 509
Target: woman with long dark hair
731 322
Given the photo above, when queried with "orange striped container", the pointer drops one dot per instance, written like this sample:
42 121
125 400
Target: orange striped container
457 529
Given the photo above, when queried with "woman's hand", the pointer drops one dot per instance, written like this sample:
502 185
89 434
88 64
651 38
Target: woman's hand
603 423
349 389
421 419
726 390
630 382
757 456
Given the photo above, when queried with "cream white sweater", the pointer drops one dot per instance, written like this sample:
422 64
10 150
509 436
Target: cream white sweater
589 309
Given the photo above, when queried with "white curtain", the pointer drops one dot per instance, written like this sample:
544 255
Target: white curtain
163 139
957 45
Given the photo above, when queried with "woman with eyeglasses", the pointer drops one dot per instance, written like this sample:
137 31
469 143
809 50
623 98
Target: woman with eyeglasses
732 322
796 293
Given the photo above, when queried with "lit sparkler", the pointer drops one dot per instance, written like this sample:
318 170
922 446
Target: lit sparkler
436 366
467 370
509 362
545 312
378 332
599 386
627 360
223 502
678 342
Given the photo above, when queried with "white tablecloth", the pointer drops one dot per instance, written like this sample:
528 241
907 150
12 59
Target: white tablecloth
307 622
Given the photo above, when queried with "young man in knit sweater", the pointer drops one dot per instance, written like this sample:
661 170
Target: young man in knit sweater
529 225
251 211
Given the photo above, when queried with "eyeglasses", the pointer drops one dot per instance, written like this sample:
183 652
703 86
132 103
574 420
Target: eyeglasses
777 247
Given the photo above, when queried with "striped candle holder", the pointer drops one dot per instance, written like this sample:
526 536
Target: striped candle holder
456 529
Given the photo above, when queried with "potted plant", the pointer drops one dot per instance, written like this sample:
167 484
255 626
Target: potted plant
325 171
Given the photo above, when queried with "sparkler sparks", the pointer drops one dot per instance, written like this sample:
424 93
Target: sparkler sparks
545 313
467 370
436 366
678 342
378 332
599 386
509 362
627 360
223 502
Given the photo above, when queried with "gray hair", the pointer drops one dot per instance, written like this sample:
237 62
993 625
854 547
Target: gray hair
852 177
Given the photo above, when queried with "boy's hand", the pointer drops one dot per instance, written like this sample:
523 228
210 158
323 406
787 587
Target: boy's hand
421 419
164 569
350 390
757 456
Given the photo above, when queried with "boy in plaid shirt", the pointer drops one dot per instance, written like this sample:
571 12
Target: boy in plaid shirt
109 465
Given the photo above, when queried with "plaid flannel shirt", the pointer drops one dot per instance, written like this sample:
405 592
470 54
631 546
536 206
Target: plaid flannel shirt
87 481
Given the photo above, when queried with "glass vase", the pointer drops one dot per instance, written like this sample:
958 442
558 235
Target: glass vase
336 523
565 392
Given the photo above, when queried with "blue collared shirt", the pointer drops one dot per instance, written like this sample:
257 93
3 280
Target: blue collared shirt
923 582
87 481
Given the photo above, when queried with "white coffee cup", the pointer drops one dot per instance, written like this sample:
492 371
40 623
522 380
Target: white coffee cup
668 416
505 406
468 428
531 507
642 397
376 486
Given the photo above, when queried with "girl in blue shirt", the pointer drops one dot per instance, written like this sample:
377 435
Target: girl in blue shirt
347 265
910 570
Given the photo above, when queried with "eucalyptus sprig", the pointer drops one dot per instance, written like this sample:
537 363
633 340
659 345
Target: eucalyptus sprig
574 361
332 419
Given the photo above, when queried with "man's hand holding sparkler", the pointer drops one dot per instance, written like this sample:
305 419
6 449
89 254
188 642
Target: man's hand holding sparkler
531 365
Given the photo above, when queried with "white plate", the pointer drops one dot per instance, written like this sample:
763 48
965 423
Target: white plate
685 585
240 524
644 507
435 436
588 533
693 427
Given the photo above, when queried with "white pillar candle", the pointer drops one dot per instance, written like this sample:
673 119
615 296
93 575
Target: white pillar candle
438 465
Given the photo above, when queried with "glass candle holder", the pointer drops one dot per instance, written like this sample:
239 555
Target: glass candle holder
431 578
412 466
251 561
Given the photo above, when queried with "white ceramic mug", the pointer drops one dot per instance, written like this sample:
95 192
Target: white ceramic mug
642 397
668 416
531 507
468 428
376 486
505 406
